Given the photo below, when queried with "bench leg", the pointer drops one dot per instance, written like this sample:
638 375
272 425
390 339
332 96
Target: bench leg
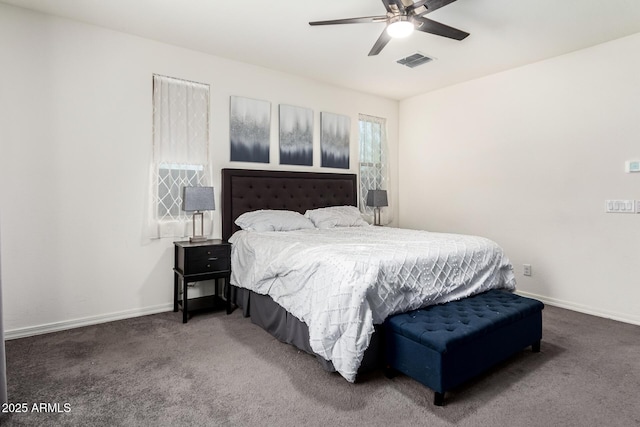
438 399
535 347
389 372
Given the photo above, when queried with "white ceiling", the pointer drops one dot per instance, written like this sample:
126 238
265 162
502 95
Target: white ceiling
275 34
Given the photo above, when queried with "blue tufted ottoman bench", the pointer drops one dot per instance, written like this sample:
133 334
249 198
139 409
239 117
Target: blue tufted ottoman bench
444 345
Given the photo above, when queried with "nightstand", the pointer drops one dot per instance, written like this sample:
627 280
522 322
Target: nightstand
195 262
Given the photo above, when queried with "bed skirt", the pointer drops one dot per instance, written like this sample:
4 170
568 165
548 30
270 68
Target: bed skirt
287 328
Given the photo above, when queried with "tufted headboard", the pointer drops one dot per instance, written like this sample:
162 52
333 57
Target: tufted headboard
245 190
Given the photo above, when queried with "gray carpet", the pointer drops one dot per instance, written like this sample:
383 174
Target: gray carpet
221 370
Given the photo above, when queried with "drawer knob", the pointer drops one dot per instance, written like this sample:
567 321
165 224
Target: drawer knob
208 265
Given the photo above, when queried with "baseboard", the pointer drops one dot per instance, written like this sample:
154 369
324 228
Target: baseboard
86 321
94 320
634 320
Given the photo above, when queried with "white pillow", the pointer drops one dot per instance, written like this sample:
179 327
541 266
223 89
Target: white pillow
336 216
273 220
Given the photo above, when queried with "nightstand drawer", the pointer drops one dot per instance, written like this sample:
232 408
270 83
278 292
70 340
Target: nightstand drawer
205 259
204 252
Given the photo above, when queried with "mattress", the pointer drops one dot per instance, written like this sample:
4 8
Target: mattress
342 281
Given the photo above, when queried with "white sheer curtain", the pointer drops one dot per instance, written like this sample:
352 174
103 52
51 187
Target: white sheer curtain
374 166
180 154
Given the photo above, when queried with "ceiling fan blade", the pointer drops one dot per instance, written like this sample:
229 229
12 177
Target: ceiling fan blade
380 43
436 4
432 27
362 20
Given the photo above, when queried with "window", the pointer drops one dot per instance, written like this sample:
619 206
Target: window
373 161
180 152
171 179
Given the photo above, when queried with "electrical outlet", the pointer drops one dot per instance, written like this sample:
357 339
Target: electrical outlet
526 269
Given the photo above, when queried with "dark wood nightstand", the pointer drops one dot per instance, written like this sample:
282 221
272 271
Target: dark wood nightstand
195 262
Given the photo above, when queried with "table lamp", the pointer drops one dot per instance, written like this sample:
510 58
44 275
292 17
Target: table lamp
377 199
196 200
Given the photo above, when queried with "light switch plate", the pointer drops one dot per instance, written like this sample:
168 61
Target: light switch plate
620 206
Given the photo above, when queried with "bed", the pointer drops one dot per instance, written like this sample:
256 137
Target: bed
291 298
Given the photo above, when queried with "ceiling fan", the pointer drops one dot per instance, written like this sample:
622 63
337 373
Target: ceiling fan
404 16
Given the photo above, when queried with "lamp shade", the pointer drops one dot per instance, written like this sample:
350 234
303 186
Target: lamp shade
377 198
198 199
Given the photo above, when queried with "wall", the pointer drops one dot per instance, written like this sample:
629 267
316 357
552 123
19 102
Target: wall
3 360
75 140
528 157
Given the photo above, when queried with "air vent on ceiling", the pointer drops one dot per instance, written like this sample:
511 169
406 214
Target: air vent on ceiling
414 60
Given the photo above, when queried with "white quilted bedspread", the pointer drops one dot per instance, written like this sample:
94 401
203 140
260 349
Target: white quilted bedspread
342 281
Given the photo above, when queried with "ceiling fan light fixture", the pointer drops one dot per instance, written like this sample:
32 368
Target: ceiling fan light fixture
400 27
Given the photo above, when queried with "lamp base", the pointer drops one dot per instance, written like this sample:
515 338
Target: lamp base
198 236
376 216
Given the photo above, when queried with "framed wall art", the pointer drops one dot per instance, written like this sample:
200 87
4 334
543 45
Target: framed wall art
296 135
249 129
335 131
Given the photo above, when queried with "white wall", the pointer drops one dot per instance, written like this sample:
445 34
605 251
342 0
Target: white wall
527 157
75 140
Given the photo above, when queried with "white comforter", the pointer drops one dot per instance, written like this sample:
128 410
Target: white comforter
343 280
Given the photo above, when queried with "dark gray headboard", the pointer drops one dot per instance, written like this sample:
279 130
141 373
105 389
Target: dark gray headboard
245 190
